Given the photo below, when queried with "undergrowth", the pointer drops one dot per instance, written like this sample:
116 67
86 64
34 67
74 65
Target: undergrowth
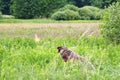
25 59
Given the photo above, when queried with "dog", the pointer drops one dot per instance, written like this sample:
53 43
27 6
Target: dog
67 55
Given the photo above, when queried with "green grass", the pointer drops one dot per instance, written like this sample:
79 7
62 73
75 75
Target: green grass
21 58
41 21
24 59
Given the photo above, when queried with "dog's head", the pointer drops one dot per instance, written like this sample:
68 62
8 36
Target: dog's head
61 49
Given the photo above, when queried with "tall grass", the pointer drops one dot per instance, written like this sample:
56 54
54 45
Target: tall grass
25 59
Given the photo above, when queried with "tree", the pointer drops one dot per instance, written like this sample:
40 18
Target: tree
96 3
81 3
47 7
5 6
101 3
25 9
71 2
35 8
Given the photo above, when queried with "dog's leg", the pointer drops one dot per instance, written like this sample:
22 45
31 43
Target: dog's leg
64 57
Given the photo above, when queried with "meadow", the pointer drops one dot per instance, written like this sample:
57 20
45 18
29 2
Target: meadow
22 58
11 19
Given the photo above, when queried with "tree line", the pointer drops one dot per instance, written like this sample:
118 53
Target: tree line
44 8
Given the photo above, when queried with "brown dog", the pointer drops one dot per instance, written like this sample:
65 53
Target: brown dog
67 54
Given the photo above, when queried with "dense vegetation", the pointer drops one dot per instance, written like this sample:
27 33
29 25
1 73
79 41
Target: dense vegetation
97 3
43 8
34 8
90 12
111 28
68 12
0 15
23 58
71 12
5 6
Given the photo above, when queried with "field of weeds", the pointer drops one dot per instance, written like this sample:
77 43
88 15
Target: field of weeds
22 58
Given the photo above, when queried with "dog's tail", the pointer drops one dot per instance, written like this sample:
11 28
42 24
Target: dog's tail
91 66
87 63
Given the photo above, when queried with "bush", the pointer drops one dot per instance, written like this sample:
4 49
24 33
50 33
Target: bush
89 12
85 14
96 12
7 17
0 15
111 28
68 12
70 7
65 15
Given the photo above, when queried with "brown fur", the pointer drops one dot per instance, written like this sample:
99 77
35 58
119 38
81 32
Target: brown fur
67 55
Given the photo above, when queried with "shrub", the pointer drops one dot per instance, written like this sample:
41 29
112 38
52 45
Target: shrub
85 14
65 15
96 12
70 7
89 12
0 15
7 17
111 28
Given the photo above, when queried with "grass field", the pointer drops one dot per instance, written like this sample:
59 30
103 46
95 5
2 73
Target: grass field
42 21
22 58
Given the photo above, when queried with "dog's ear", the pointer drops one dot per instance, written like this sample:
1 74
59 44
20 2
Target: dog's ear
58 47
61 47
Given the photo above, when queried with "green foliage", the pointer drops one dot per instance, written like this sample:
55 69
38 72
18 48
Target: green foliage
0 15
81 3
17 43
68 12
7 17
85 14
25 9
111 28
71 12
65 15
47 7
70 7
102 3
5 6
89 12
118 0
96 3
43 62
35 8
